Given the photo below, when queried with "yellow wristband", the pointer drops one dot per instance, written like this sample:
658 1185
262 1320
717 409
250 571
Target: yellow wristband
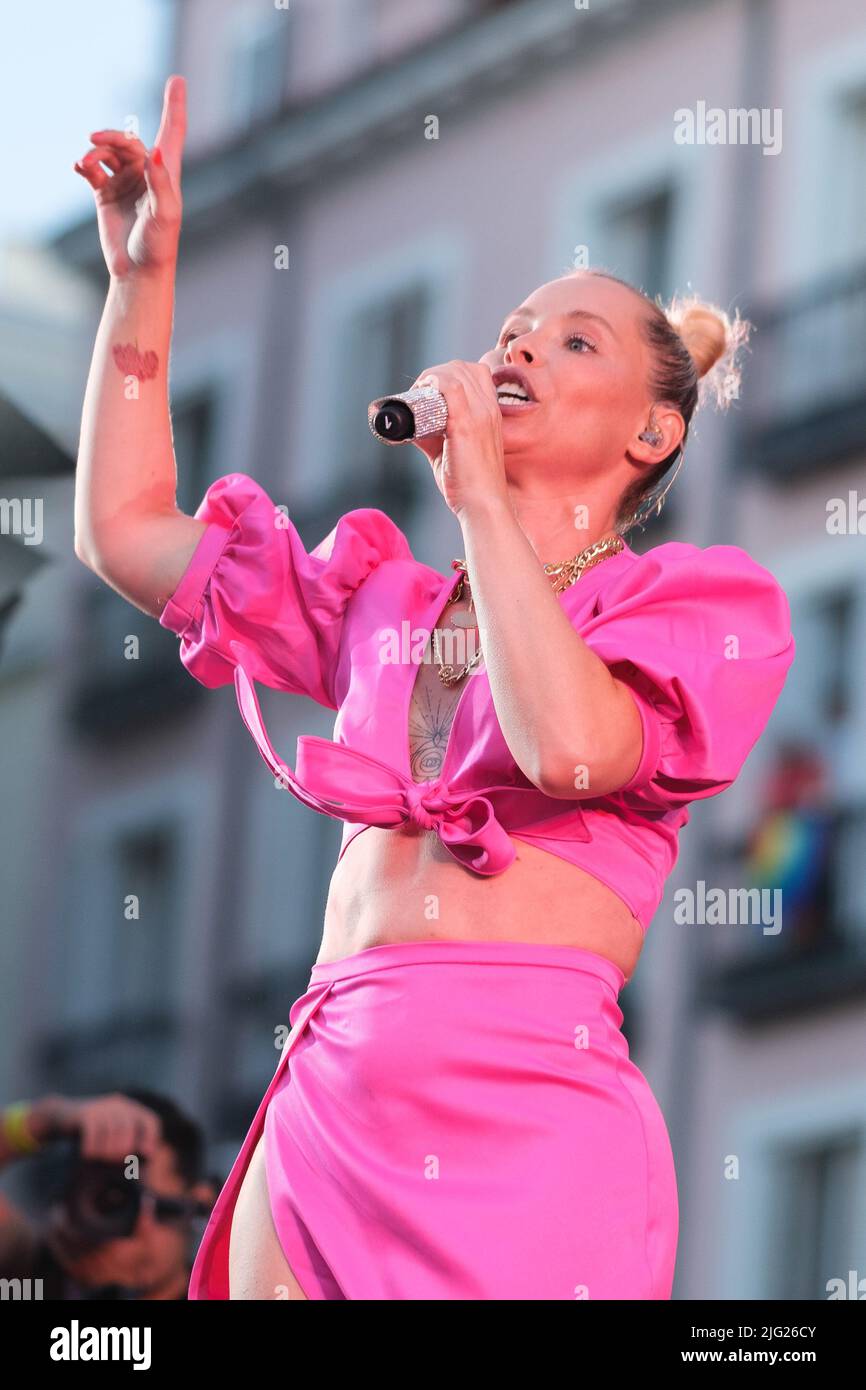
15 1130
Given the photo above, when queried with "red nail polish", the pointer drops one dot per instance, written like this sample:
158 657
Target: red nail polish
157 155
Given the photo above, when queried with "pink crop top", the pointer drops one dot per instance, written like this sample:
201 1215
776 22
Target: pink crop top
702 637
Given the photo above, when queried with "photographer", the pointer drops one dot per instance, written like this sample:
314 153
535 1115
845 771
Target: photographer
122 1225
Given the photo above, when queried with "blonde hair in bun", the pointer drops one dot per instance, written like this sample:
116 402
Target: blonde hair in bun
713 341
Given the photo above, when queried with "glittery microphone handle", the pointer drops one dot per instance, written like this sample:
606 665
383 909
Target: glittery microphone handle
426 406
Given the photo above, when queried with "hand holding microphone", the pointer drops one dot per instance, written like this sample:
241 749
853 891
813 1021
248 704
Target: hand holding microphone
452 414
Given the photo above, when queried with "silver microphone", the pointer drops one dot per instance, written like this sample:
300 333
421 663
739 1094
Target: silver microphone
408 415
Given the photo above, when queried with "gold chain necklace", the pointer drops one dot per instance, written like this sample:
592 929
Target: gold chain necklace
563 575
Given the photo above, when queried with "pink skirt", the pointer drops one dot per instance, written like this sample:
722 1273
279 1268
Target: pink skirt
460 1120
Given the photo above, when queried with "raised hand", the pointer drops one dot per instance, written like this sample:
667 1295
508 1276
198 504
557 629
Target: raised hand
138 203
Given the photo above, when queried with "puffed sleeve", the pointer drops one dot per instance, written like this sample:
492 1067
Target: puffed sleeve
252 595
702 638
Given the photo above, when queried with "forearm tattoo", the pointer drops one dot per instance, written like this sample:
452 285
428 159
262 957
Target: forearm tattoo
131 362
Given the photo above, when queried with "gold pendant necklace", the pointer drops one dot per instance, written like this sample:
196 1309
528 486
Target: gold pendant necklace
563 575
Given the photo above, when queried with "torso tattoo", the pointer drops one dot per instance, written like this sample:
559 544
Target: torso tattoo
432 708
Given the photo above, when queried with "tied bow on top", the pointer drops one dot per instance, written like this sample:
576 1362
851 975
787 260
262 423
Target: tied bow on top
353 786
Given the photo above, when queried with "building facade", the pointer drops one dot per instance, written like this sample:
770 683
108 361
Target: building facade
368 188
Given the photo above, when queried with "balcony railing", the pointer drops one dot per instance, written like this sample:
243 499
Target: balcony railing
816 961
804 392
110 694
86 1058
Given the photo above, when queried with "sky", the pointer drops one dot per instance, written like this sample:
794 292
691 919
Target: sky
68 67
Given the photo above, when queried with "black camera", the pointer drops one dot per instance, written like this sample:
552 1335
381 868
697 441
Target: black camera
103 1204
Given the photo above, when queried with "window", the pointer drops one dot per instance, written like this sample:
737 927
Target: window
850 200
259 67
636 240
192 427
813 360
139 949
812 1238
384 347
797 1218
115 962
117 972
838 617
820 678
797 824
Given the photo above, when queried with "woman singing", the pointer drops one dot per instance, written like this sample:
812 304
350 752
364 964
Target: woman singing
455 1114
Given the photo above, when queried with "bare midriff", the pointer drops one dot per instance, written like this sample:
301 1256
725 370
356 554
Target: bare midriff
403 885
